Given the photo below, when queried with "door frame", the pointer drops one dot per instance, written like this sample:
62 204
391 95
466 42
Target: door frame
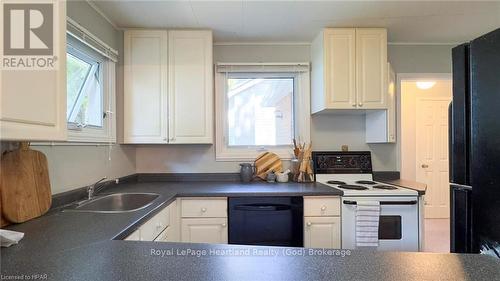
400 77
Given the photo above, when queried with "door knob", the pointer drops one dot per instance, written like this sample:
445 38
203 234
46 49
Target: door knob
425 166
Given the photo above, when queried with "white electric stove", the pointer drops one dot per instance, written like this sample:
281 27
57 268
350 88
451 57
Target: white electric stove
351 172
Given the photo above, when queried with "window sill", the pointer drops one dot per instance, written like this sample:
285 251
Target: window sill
73 143
250 156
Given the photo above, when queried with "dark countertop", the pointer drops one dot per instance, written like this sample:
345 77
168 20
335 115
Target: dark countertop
79 246
419 187
130 260
60 231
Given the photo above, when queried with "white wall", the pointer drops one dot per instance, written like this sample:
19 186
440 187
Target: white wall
409 96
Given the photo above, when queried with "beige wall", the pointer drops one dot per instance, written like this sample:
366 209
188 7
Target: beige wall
328 132
76 166
409 96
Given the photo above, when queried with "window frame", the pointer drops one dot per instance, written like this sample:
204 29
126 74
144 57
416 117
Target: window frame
95 134
301 114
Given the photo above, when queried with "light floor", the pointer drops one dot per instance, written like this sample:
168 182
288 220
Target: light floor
437 235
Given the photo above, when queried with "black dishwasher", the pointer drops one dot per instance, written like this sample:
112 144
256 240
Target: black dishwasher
267 221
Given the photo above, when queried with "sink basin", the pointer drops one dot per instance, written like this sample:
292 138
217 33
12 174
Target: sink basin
117 203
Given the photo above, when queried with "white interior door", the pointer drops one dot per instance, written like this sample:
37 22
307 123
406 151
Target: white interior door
432 154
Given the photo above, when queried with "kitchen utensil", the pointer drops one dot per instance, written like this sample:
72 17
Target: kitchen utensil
24 184
247 171
296 149
305 171
267 162
271 177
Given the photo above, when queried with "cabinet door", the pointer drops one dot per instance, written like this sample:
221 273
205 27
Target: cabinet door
206 230
190 87
339 67
33 101
391 104
371 68
322 232
135 236
145 77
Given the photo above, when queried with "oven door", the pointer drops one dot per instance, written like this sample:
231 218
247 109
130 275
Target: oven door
398 223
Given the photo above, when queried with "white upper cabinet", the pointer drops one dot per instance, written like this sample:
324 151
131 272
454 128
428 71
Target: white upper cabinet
349 69
381 124
168 86
145 78
33 101
371 67
340 71
190 86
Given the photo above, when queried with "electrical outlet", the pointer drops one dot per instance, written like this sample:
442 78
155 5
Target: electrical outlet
345 148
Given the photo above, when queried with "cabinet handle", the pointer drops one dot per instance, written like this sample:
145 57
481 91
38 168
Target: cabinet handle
323 208
425 166
223 225
360 104
165 139
353 105
203 210
309 224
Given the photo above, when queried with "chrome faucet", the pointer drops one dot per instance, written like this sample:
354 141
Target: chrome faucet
92 189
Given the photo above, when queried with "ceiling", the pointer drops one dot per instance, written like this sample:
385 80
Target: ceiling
435 22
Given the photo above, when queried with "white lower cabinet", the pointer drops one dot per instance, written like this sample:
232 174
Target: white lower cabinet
322 222
322 232
166 235
204 230
204 220
155 226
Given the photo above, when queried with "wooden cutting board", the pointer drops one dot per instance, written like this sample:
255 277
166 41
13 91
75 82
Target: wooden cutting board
267 162
24 185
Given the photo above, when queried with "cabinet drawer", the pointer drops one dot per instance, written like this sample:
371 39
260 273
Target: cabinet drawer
201 207
321 206
153 227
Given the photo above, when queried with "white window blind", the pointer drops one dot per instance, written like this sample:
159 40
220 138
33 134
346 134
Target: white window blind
81 34
262 67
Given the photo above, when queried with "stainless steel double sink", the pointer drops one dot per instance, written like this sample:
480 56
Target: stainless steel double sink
115 203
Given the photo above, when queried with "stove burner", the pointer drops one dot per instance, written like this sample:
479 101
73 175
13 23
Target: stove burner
353 187
335 182
366 182
383 186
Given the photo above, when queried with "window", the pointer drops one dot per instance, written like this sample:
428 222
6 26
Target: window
85 91
90 94
260 110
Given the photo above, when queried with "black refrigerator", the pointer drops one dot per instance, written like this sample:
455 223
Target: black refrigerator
475 147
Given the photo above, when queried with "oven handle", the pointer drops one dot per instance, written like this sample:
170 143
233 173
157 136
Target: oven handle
412 202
